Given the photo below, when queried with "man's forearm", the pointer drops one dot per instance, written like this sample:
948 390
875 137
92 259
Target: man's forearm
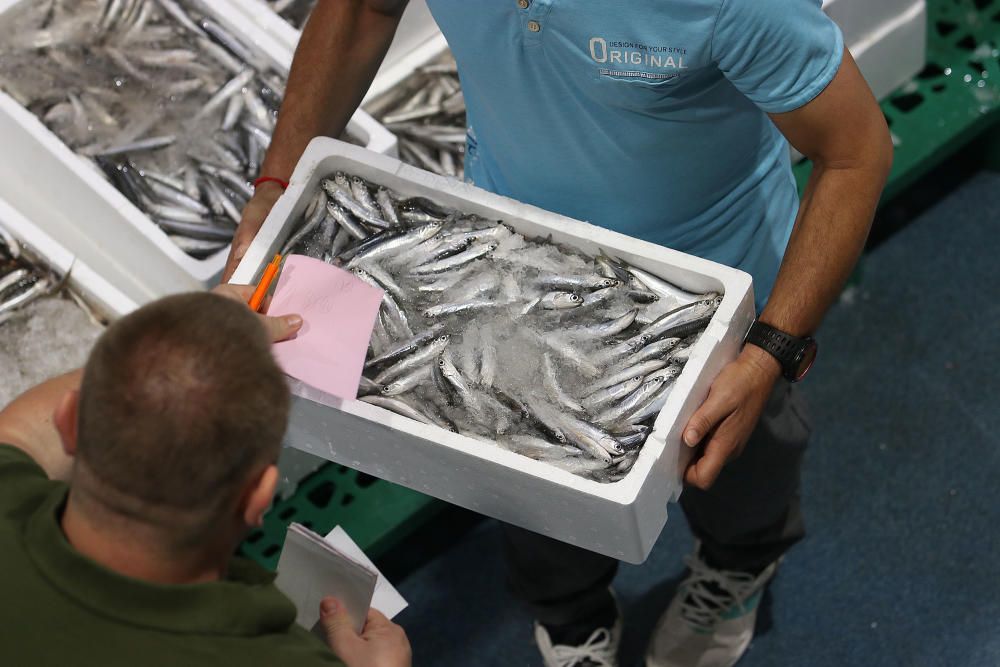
845 135
27 423
834 219
341 49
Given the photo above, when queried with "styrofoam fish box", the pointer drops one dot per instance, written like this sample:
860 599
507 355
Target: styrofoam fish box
859 19
67 196
886 37
893 52
104 297
889 54
622 519
416 41
426 42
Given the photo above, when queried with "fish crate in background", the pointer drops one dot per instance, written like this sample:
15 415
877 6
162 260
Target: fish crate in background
886 37
105 300
621 519
426 112
416 41
71 199
53 332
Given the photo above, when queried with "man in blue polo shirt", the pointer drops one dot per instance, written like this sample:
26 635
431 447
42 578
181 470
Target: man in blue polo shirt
669 120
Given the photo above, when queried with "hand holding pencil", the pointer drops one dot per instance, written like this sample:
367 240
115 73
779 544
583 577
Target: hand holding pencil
279 328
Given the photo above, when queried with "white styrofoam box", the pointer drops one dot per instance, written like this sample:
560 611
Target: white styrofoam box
104 297
417 39
429 52
858 19
396 71
893 53
623 519
886 37
68 196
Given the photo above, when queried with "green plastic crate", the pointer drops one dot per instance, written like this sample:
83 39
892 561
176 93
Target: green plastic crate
375 513
953 100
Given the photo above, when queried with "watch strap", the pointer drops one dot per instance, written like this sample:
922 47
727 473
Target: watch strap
784 347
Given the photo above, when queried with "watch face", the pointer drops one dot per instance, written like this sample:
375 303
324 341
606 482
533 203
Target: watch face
806 359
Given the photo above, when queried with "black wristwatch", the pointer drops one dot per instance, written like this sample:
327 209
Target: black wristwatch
796 355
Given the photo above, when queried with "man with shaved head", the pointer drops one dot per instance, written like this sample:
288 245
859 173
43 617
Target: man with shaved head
126 487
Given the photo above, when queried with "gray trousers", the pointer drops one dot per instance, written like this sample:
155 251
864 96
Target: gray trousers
748 519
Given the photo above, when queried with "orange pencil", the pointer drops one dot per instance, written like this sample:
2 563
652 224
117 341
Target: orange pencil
265 283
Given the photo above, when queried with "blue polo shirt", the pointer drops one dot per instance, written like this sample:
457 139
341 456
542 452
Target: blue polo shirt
648 117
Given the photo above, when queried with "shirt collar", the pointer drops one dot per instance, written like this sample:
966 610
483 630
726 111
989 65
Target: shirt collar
245 604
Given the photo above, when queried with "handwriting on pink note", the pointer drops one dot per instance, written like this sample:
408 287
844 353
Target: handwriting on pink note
338 312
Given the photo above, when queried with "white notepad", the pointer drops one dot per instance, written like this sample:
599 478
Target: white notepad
310 568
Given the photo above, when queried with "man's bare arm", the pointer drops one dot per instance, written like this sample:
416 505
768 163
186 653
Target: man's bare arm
27 423
341 48
845 135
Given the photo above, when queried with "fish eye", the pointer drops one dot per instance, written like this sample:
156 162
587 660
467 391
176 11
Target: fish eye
387 388
575 297
441 363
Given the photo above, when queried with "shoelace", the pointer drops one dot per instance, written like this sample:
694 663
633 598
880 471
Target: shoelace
594 650
702 606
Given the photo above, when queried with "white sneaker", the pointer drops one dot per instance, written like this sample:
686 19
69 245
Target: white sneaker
600 650
711 619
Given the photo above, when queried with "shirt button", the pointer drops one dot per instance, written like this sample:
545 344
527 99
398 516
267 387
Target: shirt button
534 26
523 4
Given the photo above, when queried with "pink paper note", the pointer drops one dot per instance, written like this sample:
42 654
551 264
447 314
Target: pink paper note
338 312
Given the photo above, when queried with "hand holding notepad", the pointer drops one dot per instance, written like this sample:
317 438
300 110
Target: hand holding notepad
312 568
338 312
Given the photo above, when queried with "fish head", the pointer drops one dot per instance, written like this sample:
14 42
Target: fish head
431 228
605 283
608 442
708 303
392 389
448 368
667 374
641 342
340 178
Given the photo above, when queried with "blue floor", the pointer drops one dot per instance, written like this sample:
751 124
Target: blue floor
901 484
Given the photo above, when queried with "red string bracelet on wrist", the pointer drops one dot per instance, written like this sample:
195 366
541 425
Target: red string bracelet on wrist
270 179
